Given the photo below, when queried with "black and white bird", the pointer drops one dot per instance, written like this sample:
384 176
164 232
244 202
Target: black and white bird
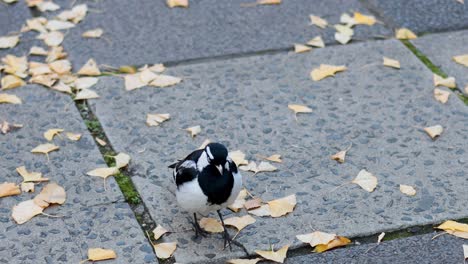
207 180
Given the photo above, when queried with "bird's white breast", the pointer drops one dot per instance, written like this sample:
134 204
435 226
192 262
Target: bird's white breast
191 197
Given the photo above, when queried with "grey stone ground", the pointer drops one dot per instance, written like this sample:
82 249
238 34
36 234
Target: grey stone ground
147 31
13 17
93 217
422 16
417 249
441 48
252 115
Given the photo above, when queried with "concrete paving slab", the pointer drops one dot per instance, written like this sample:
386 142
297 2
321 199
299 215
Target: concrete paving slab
92 216
422 16
243 103
13 16
146 31
417 249
440 49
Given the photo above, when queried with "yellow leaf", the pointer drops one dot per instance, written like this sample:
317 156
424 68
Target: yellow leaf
211 225
366 180
156 119
268 2
434 131
364 19
238 157
8 189
441 95
100 141
38 51
73 136
52 193
458 234
103 172
133 81
54 25
159 231
86 94
24 211
121 160
44 6
239 222
325 71
447 82
194 130
165 81
37 68
276 256
283 206
27 186
177 3
263 210
316 42
36 24
451 225
11 81
47 79
404 33
49 134
45 148
337 242
93 33
96 254
61 66
274 158
461 59
299 108
75 15
316 238
262 167
299 48
9 99
344 30
30 176
15 65
391 63
253 203
62 87
8 42
244 261
340 156
85 82
90 69
239 202
55 53
318 21
165 250
52 39
380 237
408 190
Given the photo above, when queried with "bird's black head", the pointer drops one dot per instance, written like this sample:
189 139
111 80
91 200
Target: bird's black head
217 153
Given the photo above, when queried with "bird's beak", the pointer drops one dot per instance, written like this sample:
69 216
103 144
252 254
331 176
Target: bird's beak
220 169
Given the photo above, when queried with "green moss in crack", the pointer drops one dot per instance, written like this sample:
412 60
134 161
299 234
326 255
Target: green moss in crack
424 59
464 98
93 126
127 188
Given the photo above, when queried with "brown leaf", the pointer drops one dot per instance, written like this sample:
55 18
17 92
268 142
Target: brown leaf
159 231
325 71
441 95
283 206
96 254
434 131
9 99
239 222
339 241
276 256
45 148
391 63
30 176
90 69
177 3
316 238
156 119
9 189
408 190
211 225
299 48
49 134
165 250
366 180
404 33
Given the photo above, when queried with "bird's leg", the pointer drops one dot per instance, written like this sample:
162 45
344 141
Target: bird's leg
227 237
198 229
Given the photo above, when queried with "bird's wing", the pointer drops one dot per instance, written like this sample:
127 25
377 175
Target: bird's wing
186 170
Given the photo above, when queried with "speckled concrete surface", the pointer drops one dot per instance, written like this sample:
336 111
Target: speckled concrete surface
147 31
417 249
99 212
440 49
13 16
243 103
422 16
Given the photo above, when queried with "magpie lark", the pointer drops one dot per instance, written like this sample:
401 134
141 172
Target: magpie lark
207 180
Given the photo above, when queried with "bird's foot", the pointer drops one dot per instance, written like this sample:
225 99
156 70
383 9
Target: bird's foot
198 230
228 241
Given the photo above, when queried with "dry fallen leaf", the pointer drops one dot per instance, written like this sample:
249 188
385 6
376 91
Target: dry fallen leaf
404 33
73 136
165 250
85 82
318 21
45 148
263 210
340 156
325 71
9 99
391 63
253 203
262 167
447 82
299 48
283 206
52 39
30 176
244 261
62 87
461 59
239 202
133 81
75 15
194 130
52 193
441 95
347 20
299 109
8 42
27 186
177 3
61 66
316 238
156 119
165 81
204 144
408 190
5 127
465 252
37 68
49 134
157 68
47 79
96 254
366 180
364 19
44 6
38 51
211 225
8 189
90 69
86 94
274 158
240 222
24 211
11 81
238 157
344 30
316 42
93 33
55 25
451 225
121 160
339 241
434 131
159 231
103 172
100 141
380 237
15 65
276 256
